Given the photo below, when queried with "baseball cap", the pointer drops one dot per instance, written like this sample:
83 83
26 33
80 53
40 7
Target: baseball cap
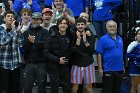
36 15
47 10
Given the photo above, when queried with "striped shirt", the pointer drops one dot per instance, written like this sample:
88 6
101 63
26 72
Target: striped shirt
9 48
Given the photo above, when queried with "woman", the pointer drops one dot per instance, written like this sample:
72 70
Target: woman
133 53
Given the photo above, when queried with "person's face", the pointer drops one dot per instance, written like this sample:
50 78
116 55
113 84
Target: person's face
26 17
9 18
81 26
63 26
58 4
84 16
111 28
36 22
138 36
47 17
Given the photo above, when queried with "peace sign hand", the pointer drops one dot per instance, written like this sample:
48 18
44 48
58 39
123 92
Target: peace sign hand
53 7
19 26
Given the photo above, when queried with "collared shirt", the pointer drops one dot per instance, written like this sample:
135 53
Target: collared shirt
9 48
112 53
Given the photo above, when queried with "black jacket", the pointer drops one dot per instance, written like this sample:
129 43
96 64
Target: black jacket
34 51
54 47
82 55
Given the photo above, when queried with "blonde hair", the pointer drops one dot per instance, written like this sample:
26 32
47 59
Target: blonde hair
24 10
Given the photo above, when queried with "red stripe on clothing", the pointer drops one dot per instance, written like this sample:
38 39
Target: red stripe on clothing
89 77
76 74
81 75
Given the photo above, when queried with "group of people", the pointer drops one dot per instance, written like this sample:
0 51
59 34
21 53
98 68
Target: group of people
45 42
53 42
54 52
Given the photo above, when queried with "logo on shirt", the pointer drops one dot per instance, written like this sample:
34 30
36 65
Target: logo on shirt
98 4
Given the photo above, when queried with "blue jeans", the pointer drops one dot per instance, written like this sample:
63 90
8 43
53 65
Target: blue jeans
100 28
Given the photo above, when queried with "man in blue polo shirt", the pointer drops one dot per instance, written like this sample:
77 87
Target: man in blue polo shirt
110 58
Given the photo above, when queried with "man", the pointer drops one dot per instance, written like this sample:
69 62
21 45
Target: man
35 69
85 16
47 15
90 30
25 24
57 52
110 59
26 19
82 60
10 40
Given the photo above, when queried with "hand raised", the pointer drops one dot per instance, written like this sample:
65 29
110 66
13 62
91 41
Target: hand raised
53 7
88 33
13 25
84 37
19 26
3 11
65 7
31 38
78 35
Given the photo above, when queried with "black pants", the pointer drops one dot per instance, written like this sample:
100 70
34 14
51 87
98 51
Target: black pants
112 82
60 76
9 80
34 72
